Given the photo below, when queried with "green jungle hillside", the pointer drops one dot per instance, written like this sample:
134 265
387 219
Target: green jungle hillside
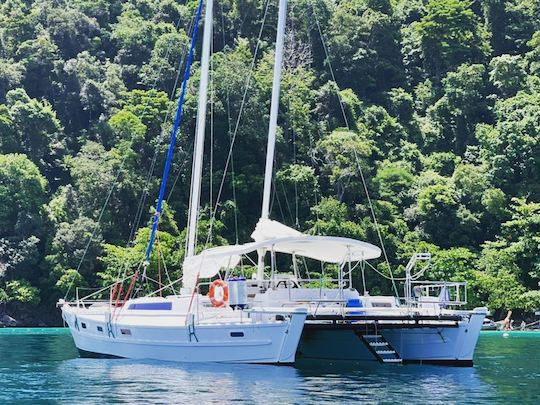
435 102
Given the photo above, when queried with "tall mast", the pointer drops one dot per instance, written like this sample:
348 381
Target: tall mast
272 127
196 173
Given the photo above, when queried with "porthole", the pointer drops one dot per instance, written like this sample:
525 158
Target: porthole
100 329
83 325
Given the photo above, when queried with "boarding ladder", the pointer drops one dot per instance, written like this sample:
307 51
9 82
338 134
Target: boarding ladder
381 349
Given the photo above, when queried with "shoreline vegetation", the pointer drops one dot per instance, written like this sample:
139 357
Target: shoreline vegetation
437 101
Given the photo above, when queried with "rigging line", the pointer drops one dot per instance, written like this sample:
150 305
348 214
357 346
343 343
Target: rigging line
382 274
111 189
295 181
166 271
177 120
326 53
144 195
158 248
315 188
293 132
229 132
96 227
211 158
233 177
237 125
212 95
354 150
286 199
275 197
377 227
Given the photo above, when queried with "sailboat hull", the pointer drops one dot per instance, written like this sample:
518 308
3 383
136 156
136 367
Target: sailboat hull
433 344
232 342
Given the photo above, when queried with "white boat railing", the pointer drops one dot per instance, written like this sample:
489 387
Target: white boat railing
444 293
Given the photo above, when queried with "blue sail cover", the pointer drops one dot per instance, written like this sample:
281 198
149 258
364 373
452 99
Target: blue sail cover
176 125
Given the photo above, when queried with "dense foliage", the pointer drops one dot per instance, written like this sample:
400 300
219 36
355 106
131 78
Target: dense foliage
436 100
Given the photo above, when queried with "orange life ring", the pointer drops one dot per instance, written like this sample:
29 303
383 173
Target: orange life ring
219 293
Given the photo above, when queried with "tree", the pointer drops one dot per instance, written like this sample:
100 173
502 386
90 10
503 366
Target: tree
437 212
299 181
451 34
126 126
93 172
11 75
134 37
70 29
69 248
22 292
507 74
521 235
331 218
510 149
364 42
393 181
40 59
37 130
93 86
149 107
342 151
461 107
454 264
23 191
161 70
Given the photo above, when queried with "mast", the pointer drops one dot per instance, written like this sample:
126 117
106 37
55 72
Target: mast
196 174
272 127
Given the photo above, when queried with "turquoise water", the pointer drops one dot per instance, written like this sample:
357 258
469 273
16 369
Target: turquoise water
41 365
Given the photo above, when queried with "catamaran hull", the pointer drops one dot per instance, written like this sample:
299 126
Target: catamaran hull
236 343
446 345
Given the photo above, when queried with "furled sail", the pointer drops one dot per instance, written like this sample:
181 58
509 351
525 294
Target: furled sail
270 229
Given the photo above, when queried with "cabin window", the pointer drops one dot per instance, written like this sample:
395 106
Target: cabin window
83 325
125 332
280 318
161 306
100 329
381 305
237 334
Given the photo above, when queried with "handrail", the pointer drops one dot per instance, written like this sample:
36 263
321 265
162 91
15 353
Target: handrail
100 290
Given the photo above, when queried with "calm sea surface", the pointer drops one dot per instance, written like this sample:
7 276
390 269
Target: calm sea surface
41 366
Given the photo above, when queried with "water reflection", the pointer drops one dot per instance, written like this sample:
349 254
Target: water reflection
46 367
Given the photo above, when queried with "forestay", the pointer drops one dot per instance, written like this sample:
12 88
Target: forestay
328 249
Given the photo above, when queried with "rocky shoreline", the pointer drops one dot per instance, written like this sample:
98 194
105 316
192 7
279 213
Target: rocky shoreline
22 316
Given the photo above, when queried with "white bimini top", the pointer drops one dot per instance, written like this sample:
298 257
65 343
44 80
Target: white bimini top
329 249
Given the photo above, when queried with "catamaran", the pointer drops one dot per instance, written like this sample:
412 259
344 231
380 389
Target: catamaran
342 324
188 327
277 317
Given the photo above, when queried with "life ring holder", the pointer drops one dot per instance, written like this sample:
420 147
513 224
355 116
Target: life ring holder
217 299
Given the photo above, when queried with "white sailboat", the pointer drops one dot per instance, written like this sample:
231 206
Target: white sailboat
189 327
342 324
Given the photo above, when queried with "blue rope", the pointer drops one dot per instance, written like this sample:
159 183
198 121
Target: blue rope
177 120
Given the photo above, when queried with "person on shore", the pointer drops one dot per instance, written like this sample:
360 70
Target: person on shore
507 322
